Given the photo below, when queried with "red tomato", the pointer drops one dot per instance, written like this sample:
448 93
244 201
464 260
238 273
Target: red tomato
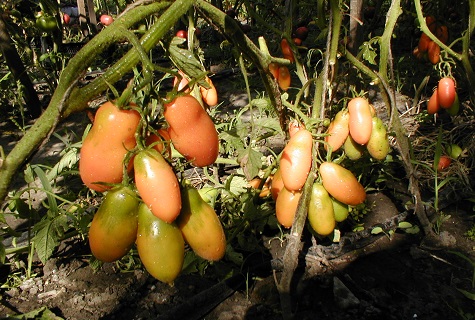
433 52
424 41
431 23
66 18
284 78
106 19
301 33
444 163
104 149
297 41
286 50
296 160
274 69
446 92
157 184
182 34
360 120
192 131
433 105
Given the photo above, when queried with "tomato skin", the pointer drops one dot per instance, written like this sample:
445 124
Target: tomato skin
433 51
106 145
157 184
433 105
209 96
113 229
160 246
284 78
454 109
342 184
320 211
444 163
423 44
378 144
277 184
200 226
192 131
66 18
340 210
286 50
286 206
446 92
360 120
454 151
182 34
274 70
106 19
338 130
353 150
301 33
296 160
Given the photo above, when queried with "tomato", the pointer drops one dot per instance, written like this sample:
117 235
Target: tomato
286 50
360 120
320 211
181 81
433 52
200 226
446 92
338 130
353 150
160 142
46 23
454 151
114 227
160 246
431 23
444 163
454 109
301 33
182 34
274 69
433 105
66 18
378 144
284 78
277 184
342 184
209 96
104 149
442 34
256 184
192 131
106 19
297 41
296 160
340 210
286 207
424 41
157 184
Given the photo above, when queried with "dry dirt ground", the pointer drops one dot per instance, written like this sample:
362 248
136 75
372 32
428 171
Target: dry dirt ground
384 276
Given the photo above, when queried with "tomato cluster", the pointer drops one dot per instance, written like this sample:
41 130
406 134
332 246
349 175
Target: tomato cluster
155 212
428 49
445 97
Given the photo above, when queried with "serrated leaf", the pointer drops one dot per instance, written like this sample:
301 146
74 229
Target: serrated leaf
404 225
250 162
185 61
69 159
369 54
48 236
268 123
233 141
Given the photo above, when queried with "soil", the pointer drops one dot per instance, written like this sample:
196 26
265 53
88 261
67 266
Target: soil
391 275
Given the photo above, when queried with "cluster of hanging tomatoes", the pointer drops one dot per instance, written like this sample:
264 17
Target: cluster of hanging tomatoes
444 97
144 203
427 49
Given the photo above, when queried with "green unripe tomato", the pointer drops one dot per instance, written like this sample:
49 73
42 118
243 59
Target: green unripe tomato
46 23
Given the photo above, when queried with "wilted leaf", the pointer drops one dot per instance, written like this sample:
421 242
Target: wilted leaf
250 162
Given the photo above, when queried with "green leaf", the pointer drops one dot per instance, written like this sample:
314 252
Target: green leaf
29 176
48 236
268 123
404 225
369 54
52 204
377 230
185 61
250 161
69 159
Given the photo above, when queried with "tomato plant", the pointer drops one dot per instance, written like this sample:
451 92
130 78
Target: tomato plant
296 160
160 246
192 131
113 229
157 184
105 147
200 226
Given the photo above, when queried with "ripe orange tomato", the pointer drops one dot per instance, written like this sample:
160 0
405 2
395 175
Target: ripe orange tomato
277 184
295 126
200 226
424 41
284 78
446 92
209 96
157 184
192 131
360 120
286 207
296 160
433 52
274 69
114 227
342 184
338 130
104 149
160 246
286 50
433 105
